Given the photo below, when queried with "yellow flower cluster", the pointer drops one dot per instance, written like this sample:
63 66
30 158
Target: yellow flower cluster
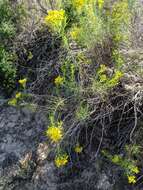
55 19
59 80
132 179
78 4
13 101
100 3
61 160
22 82
55 132
78 148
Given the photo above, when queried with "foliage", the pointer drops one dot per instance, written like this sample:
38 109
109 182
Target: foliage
91 66
9 19
7 70
82 112
127 162
120 20
105 82
6 23
92 26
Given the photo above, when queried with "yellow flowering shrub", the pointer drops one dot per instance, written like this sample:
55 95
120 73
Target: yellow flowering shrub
56 20
61 160
55 132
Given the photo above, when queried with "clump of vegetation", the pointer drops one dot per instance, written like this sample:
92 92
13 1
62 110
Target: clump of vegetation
127 162
9 19
85 91
15 101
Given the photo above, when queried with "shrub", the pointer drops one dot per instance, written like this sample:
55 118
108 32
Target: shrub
94 27
7 70
9 18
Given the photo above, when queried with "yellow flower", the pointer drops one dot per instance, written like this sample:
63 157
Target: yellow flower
61 160
22 82
100 3
59 80
12 102
132 179
78 148
78 4
135 170
18 95
55 19
55 133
